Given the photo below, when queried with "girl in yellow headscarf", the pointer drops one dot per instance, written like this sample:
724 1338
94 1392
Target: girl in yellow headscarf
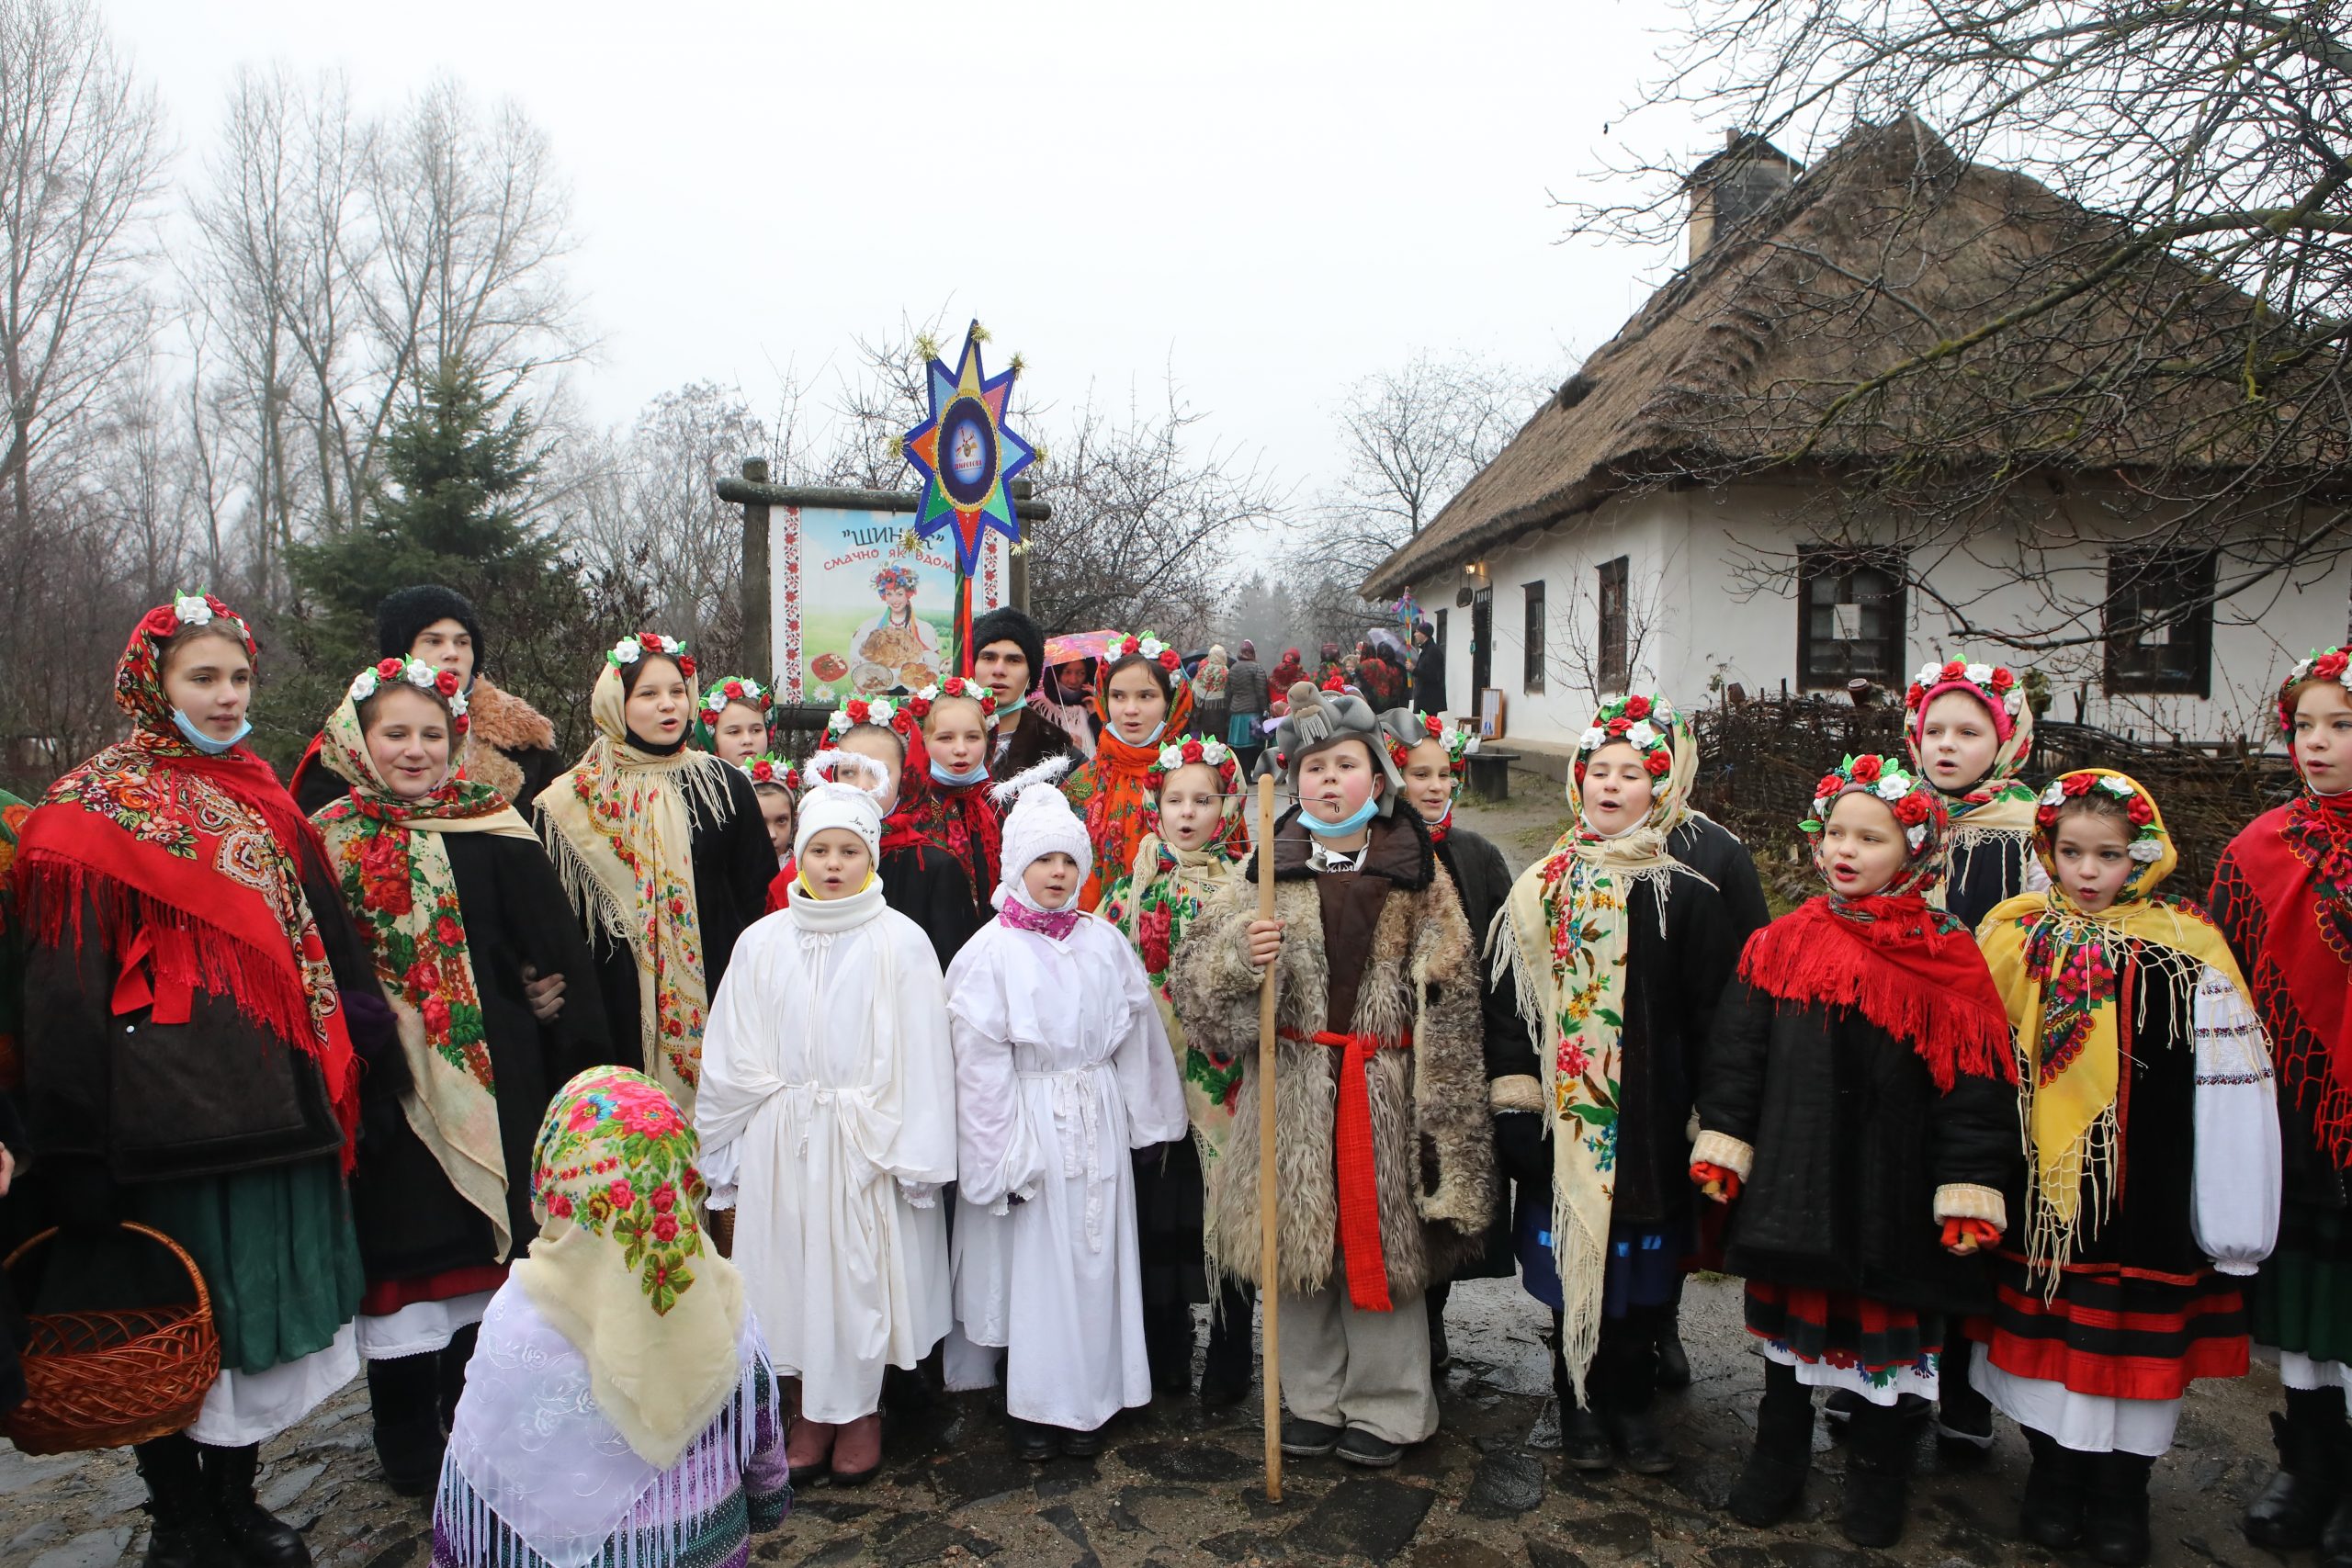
2151 1172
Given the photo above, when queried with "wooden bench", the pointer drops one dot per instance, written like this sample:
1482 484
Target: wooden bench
1490 773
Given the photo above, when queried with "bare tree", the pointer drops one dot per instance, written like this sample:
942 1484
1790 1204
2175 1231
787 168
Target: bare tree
81 158
2121 252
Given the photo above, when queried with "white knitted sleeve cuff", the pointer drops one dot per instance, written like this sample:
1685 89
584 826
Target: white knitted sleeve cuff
1722 1149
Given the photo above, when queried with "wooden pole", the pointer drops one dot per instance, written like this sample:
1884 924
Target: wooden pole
1269 1290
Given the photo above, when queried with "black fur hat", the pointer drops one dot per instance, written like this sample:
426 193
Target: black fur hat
408 611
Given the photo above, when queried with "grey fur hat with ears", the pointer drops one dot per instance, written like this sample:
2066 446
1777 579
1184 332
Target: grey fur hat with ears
1317 720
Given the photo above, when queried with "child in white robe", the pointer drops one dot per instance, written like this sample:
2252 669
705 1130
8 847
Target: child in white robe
828 1113
1062 1068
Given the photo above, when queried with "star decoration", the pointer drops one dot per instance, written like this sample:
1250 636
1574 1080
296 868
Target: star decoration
968 455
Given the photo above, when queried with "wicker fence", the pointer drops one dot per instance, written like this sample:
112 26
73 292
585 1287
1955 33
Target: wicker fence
1760 760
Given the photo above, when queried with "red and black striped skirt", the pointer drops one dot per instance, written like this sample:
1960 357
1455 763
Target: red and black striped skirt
2114 1331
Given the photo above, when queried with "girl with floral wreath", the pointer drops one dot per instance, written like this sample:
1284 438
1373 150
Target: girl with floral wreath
457 904
626 1352
2282 895
1433 759
1619 951
197 1007
1195 835
1142 699
731 721
777 784
1969 729
957 722
922 878
1859 1111
662 853
2152 1176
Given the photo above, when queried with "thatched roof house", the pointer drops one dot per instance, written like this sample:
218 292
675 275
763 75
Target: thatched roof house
1679 513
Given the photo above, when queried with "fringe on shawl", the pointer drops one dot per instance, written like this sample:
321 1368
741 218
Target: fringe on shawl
704 1477
183 951
596 903
1947 1030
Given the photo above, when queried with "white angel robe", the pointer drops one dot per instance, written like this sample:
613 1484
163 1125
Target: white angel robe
1062 1068
827 1114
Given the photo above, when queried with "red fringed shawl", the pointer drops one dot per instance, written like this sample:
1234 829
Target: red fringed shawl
1898 963
2282 895
197 862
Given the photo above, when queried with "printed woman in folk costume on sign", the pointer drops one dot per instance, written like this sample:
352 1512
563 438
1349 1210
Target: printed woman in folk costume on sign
1859 1111
2282 895
731 723
621 1408
2152 1177
898 640
196 1005
1142 700
456 900
662 853
1194 838
1620 952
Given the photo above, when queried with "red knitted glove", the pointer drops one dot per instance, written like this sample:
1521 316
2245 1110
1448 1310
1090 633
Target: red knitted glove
1964 1237
1714 1182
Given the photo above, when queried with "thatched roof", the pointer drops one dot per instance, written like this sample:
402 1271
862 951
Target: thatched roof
1888 244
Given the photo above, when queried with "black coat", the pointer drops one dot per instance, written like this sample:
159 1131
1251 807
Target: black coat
1851 1141
410 1221
1483 882
126 1098
1037 738
1429 677
931 886
734 863
1985 872
1715 853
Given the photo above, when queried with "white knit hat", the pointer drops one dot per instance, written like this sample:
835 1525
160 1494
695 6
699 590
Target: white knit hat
838 801
1039 823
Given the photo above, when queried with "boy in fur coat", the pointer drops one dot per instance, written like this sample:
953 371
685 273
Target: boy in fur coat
1385 1142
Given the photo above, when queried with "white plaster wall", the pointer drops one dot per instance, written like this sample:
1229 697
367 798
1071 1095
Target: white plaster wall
1703 617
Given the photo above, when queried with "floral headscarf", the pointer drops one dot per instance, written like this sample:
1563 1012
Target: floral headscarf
1111 788
1568 923
1999 804
393 863
207 856
619 830
621 1268
2058 967
713 707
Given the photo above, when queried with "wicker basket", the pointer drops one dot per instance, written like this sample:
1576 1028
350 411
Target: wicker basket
102 1379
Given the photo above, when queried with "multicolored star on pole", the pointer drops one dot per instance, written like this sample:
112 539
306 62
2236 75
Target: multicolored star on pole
968 455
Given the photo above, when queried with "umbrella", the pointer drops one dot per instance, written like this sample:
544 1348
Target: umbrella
1078 645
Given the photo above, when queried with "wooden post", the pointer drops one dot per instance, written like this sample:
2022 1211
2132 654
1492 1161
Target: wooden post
759 646
1269 1274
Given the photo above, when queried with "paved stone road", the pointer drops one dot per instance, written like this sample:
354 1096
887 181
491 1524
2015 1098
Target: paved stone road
1179 1486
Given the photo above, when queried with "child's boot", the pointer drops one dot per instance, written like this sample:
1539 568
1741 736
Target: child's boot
1880 1449
857 1450
1168 1348
2115 1518
2295 1505
2051 1513
1624 1377
405 1398
1772 1480
185 1528
1225 1372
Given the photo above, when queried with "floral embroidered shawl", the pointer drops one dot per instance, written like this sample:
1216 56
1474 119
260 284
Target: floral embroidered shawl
397 881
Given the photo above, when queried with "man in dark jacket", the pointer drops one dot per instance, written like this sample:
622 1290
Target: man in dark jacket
510 745
1429 670
1009 658
1246 696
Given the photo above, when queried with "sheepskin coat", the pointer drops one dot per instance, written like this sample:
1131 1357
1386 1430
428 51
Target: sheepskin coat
1390 935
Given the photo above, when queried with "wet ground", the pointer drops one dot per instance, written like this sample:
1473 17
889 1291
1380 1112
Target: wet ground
1178 1485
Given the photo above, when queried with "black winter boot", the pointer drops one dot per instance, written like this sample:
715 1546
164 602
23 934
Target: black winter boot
1168 1346
259 1540
1225 1373
1772 1481
2295 1505
2051 1512
185 1532
1673 1360
2115 1519
1879 1451
404 1395
1624 1385
1441 1353
1963 1416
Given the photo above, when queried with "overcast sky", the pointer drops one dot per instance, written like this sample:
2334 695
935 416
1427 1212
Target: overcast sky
1271 198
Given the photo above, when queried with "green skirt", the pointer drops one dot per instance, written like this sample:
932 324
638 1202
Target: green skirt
277 1251
2302 1298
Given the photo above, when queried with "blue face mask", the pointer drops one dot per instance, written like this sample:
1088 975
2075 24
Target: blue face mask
1345 825
206 744
1015 705
940 775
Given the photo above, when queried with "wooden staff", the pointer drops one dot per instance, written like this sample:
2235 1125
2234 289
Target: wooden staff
1268 1292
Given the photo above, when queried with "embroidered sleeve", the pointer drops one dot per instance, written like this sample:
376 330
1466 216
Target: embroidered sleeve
2234 1211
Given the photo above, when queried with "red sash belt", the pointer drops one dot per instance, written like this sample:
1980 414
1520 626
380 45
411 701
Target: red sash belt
1358 1173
